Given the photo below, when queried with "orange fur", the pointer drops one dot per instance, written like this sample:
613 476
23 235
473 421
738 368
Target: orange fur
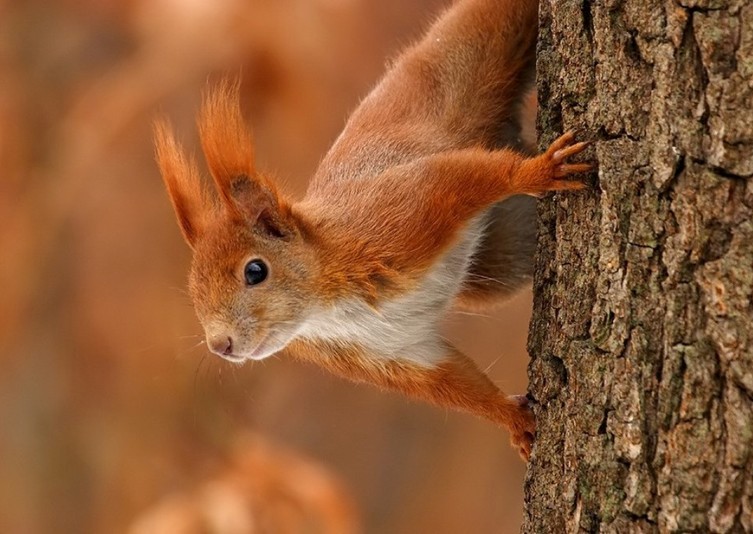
401 199
184 187
446 190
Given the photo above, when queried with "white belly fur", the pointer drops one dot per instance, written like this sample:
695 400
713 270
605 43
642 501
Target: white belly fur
405 328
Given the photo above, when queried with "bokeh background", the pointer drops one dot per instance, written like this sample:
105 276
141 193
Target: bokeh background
113 417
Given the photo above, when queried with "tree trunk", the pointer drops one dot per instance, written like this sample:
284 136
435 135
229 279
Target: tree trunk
642 338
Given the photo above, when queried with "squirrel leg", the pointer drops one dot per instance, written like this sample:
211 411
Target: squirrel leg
430 200
453 382
504 259
458 383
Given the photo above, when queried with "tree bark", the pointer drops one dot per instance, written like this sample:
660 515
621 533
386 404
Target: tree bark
642 338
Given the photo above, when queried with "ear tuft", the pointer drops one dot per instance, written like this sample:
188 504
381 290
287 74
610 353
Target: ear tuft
183 182
227 143
228 148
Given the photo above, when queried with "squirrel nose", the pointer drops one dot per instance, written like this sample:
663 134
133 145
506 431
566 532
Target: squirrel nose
221 345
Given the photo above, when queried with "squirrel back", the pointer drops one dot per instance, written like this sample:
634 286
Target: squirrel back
465 84
468 83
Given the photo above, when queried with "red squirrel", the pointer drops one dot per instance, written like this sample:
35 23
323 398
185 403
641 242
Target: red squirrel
405 217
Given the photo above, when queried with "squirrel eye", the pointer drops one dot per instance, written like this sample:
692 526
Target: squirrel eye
255 272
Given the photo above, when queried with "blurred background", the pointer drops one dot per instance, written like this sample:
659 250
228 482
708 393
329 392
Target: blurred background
113 417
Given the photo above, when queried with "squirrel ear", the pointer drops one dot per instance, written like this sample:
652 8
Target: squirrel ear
229 151
183 183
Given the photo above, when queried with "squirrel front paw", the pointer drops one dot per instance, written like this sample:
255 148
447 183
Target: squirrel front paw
523 430
541 174
562 148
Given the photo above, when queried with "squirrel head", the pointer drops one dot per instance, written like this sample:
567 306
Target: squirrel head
253 269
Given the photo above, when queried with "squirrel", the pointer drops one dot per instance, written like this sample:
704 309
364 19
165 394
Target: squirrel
418 206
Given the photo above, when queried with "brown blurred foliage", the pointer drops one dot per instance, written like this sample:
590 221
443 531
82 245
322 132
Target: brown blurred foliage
110 408
261 488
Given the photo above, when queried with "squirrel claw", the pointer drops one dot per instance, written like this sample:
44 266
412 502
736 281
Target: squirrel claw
572 168
560 155
561 142
563 147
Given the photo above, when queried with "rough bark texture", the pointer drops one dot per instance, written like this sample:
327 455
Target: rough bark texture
642 338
